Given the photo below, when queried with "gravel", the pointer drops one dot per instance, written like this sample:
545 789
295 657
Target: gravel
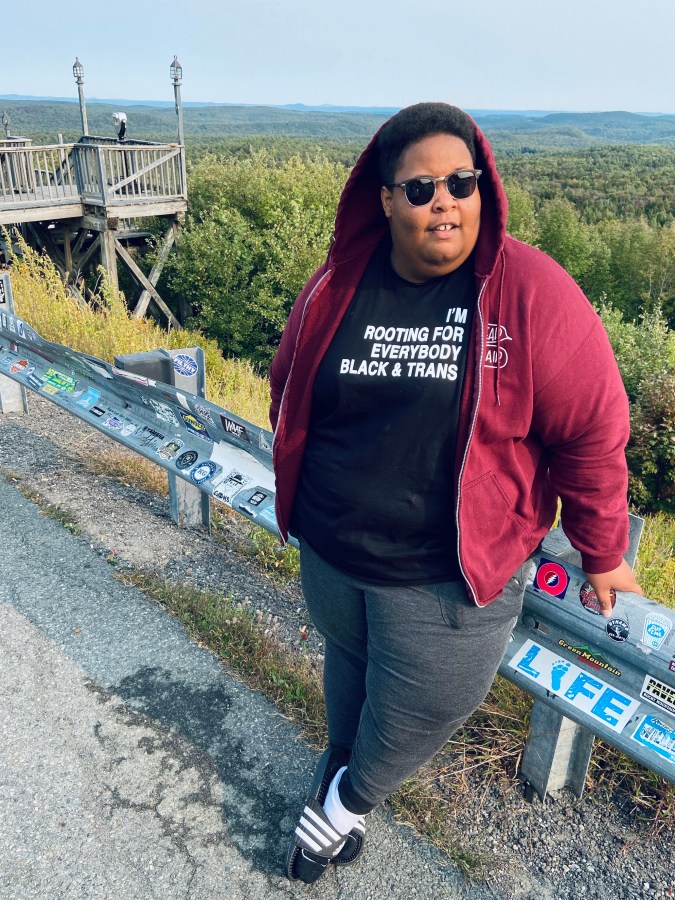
564 848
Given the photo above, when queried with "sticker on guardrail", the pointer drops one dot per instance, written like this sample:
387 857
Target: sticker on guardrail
656 629
656 735
563 678
658 693
551 578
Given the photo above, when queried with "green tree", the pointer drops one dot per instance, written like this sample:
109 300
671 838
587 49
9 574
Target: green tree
257 229
564 237
522 222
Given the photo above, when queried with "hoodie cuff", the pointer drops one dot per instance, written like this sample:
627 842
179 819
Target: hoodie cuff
596 565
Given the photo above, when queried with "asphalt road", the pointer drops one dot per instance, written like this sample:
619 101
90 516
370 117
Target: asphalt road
134 766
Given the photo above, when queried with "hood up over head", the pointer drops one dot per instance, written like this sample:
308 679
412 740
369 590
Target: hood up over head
360 221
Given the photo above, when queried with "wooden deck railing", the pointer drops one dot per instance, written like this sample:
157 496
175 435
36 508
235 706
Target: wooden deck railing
37 175
104 173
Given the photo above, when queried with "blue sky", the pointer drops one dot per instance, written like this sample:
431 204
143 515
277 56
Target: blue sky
497 54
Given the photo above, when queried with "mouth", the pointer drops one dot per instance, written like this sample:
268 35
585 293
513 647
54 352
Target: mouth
446 226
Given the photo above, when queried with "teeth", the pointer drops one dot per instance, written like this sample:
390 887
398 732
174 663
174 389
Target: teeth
444 227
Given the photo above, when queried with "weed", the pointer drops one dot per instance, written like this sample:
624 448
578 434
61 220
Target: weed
284 561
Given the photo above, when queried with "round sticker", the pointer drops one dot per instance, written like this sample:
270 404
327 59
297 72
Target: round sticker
589 600
618 630
202 472
551 578
187 459
184 364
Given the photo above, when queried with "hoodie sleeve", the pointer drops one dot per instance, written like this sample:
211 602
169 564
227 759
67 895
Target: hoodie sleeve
281 364
582 418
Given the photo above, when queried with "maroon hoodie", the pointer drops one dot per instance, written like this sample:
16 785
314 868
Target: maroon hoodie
543 415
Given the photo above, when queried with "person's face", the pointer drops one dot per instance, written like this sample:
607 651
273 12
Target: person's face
431 240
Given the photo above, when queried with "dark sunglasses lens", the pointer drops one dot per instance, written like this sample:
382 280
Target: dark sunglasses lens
462 184
419 191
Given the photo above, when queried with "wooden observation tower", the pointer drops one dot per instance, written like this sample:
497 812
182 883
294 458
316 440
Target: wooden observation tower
80 203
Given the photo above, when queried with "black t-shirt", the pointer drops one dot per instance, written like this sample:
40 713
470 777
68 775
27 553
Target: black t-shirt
376 493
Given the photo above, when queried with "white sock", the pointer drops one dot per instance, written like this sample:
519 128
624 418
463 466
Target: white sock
340 818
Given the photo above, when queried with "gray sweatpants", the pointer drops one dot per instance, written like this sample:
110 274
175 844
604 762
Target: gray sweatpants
404 667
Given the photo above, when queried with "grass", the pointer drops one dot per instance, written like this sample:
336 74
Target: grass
655 568
487 749
127 467
42 300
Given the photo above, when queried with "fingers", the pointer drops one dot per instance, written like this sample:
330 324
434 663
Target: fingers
605 585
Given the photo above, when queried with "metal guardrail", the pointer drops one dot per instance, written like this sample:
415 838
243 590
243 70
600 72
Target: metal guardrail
209 447
614 677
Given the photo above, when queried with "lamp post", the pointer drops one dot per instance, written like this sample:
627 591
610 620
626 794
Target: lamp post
78 72
177 77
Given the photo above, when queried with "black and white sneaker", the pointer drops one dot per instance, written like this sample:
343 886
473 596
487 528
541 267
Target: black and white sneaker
315 842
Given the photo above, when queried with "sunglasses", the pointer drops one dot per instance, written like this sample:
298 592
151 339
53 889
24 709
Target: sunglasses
420 191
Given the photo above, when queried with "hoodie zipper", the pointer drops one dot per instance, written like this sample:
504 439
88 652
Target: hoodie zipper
471 431
321 280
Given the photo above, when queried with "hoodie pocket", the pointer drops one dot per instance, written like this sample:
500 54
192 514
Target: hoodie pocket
486 503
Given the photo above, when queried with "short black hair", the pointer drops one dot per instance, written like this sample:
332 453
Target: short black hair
414 123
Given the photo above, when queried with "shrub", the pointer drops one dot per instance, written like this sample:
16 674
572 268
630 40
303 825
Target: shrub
651 449
257 229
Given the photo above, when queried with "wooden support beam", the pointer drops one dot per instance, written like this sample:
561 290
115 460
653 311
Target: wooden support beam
81 261
67 250
46 243
44 239
143 281
108 258
79 243
169 238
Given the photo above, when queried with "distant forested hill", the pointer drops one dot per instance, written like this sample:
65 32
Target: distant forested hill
43 120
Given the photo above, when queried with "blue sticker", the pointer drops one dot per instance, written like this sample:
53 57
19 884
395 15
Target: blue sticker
268 514
195 425
658 737
203 471
185 365
89 398
591 695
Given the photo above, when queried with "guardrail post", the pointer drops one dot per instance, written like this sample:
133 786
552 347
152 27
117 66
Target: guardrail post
186 369
558 751
12 394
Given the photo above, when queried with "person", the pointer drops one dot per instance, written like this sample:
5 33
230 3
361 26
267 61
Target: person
437 387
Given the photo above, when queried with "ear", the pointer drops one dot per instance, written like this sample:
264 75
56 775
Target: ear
386 196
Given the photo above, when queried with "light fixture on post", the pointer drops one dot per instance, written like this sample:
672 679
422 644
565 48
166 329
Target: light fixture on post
78 73
177 78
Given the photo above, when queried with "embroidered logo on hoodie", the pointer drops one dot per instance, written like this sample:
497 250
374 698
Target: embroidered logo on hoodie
496 356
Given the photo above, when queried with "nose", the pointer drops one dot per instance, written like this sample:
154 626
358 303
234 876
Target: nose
443 199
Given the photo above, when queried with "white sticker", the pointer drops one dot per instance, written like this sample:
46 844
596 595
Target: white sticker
583 690
655 631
